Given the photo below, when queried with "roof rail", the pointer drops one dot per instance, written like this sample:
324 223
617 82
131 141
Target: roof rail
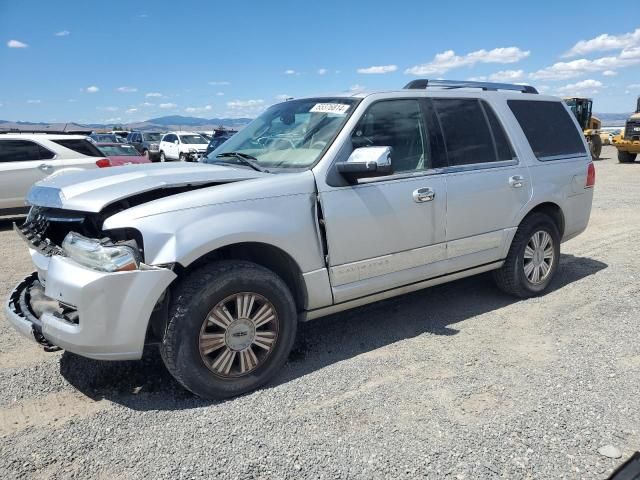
53 132
423 83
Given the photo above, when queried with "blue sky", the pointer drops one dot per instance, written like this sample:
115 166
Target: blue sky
121 61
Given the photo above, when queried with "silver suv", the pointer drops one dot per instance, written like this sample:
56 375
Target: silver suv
318 206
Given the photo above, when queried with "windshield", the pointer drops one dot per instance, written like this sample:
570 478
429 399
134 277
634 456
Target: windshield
105 138
152 137
118 150
292 134
193 139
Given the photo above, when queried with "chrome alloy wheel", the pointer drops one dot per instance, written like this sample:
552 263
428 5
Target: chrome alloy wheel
238 334
539 255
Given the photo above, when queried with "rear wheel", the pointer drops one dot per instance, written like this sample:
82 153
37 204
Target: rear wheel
533 257
230 330
626 157
596 146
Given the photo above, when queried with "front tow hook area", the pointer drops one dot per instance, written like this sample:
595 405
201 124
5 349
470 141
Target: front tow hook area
28 301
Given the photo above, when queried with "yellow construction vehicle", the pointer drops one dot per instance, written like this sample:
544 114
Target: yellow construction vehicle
581 108
628 142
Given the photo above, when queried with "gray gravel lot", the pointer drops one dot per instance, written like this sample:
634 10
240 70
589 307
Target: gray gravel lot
458 381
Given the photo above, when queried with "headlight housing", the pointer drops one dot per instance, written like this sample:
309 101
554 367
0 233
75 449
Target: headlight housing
192 150
153 146
100 256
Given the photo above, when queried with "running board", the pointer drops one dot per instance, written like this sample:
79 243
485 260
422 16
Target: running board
358 302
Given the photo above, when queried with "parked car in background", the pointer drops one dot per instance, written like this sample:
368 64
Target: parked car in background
317 206
106 138
217 140
119 154
26 158
207 135
147 143
183 146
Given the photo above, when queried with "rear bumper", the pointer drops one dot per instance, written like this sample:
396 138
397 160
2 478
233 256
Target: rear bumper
94 314
631 146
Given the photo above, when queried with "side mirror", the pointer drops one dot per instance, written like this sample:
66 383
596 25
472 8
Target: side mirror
176 142
366 162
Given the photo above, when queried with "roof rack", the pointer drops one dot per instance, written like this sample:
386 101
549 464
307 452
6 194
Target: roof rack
423 83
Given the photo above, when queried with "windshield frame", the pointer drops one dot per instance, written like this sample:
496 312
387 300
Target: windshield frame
353 102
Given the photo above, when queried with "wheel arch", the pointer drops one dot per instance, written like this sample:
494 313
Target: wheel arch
551 209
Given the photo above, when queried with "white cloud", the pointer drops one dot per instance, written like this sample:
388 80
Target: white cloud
147 104
34 101
575 68
508 76
378 69
110 109
585 87
62 33
92 89
16 44
245 108
127 89
206 108
112 120
357 88
289 72
72 100
167 106
131 110
605 42
445 61
609 73
219 83
322 71
220 94
634 86
153 94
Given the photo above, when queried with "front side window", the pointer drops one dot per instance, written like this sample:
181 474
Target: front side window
193 139
291 134
472 132
398 124
549 129
19 151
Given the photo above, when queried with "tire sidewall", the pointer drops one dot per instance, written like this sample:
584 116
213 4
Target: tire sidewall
193 372
547 225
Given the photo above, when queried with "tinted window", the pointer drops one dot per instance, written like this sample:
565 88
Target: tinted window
82 146
18 150
502 145
398 124
169 138
549 128
151 137
467 136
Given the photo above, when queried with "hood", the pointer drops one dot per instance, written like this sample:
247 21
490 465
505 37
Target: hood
92 190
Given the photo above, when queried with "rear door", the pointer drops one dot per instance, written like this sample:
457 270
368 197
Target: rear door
22 163
86 153
487 185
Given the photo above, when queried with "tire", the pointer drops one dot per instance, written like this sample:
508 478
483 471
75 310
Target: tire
596 146
163 158
182 157
626 157
185 350
512 277
147 155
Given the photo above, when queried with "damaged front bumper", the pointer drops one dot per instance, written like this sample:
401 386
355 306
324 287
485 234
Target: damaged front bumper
95 314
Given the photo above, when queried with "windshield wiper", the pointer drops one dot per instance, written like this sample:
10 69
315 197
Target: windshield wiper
244 159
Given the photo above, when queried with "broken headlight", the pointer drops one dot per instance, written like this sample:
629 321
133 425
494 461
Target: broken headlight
100 255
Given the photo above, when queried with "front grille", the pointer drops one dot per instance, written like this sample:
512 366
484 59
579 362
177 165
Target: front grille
34 232
632 130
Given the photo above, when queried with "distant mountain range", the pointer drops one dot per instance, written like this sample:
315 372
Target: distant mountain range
171 122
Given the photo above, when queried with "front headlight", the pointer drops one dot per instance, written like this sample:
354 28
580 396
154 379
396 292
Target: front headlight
193 150
95 254
153 146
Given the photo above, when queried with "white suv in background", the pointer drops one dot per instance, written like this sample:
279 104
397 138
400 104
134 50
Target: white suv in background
26 158
183 146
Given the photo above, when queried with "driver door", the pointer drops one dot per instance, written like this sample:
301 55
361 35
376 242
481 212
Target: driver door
381 232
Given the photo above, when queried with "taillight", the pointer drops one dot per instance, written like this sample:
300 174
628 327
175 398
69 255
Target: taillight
591 176
103 162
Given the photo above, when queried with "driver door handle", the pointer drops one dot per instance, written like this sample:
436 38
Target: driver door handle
45 167
516 181
423 195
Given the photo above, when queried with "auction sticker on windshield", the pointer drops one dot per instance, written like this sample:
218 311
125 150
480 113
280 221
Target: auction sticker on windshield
337 108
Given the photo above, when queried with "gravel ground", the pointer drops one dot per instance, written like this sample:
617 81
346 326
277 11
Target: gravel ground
457 381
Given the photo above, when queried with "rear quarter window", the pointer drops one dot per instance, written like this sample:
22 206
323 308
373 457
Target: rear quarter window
549 129
81 146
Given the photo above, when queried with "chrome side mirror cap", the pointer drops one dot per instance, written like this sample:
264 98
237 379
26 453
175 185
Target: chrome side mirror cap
366 162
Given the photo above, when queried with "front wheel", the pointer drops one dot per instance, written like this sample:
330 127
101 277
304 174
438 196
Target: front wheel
533 258
231 327
163 158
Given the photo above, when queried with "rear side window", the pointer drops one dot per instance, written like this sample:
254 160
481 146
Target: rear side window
549 129
82 146
472 132
23 150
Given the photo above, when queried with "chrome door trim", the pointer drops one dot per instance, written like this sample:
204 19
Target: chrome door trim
321 312
481 166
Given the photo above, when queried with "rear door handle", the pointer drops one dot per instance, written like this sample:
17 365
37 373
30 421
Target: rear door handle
422 195
45 167
516 181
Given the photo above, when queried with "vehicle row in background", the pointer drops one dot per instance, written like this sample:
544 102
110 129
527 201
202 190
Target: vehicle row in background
590 124
147 143
628 142
183 146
